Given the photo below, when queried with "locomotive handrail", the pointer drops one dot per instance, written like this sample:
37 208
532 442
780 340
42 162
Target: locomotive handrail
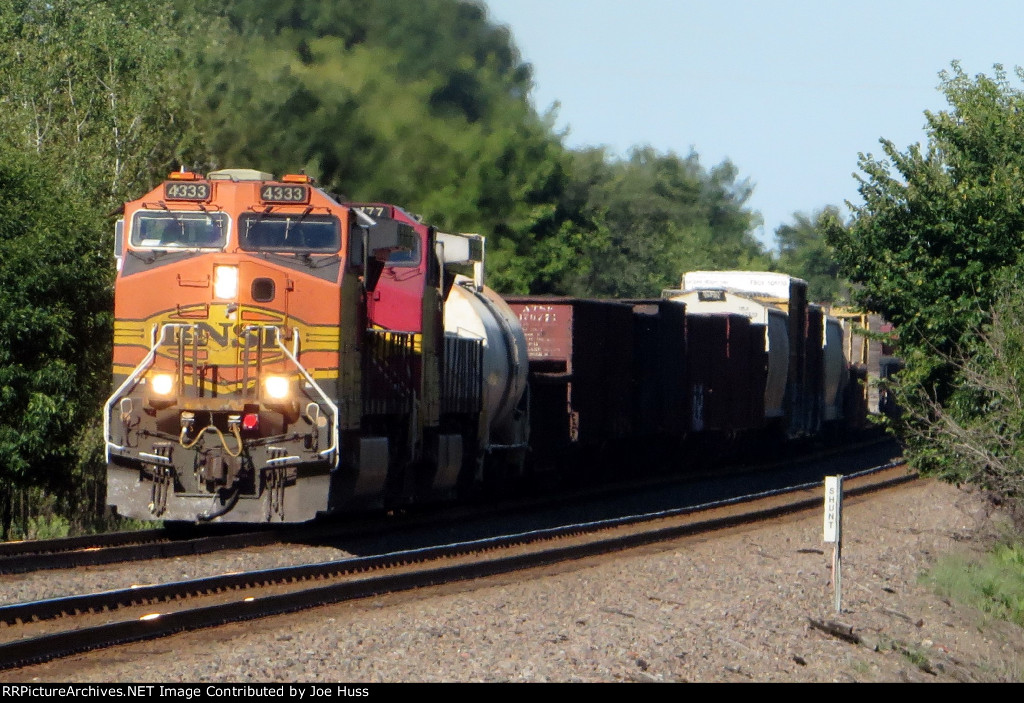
133 378
333 449
147 361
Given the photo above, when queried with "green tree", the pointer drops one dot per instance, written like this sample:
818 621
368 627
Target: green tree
55 310
95 104
974 436
804 253
421 104
934 246
661 215
102 90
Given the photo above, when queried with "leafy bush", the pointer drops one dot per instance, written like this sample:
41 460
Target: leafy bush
935 249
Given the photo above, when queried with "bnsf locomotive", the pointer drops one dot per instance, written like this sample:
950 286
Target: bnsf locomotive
279 354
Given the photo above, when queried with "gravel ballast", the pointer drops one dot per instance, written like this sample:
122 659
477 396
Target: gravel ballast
747 604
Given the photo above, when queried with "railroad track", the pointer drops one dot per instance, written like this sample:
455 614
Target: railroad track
181 541
45 630
118 547
190 540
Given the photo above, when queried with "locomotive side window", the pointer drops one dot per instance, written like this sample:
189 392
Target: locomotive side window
294 233
400 257
179 230
405 257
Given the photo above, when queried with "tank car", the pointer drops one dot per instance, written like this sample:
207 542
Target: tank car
279 354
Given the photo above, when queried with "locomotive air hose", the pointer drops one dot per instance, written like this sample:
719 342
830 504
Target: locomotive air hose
223 440
227 507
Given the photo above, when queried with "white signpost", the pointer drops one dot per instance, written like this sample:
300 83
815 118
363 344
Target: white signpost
834 530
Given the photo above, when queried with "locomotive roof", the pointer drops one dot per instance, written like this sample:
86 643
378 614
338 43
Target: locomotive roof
239 174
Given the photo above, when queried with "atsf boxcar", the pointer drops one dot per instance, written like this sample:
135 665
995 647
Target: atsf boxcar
581 371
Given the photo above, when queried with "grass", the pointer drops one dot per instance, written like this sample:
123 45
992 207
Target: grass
48 527
994 583
52 526
916 656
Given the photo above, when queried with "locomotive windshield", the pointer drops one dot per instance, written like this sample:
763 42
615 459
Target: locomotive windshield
179 230
292 233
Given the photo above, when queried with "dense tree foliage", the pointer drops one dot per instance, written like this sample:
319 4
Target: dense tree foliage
424 104
662 215
974 436
427 104
93 106
97 90
804 253
934 246
55 310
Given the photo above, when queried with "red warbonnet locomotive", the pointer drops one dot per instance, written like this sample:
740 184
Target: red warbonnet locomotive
279 354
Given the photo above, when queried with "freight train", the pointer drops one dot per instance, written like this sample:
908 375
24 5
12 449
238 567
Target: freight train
280 354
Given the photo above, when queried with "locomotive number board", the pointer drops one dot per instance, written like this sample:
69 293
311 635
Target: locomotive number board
191 190
272 193
375 210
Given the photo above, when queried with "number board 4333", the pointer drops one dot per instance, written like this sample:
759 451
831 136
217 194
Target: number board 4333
272 193
187 190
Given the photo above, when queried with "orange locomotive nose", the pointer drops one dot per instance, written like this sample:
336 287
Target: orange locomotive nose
228 311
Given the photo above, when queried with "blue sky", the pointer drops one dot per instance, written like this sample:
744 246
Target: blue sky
790 91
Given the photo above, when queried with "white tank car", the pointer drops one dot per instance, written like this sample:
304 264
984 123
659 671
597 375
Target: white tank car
479 313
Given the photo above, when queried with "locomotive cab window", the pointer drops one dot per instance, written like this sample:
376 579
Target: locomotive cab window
179 230
290 233
405 257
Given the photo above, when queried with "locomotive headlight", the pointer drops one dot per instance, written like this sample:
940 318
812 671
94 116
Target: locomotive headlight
225 282
162 383
277 387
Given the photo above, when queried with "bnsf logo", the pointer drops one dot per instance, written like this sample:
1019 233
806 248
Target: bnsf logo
222 341
247 336
223 334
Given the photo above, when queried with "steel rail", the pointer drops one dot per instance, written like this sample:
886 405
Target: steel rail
52 646
67 544
99 552
94 550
